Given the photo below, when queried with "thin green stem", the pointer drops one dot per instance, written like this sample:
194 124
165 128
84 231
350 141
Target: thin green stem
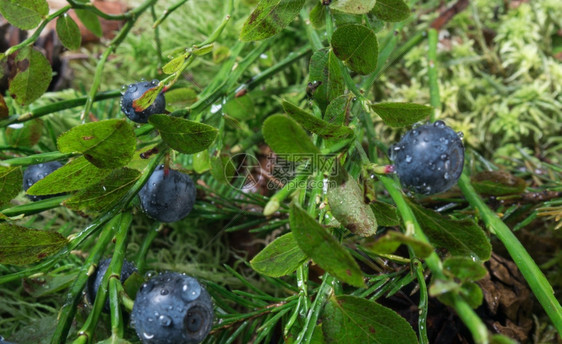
74 295
36 159
90 7
423 304
31 39
432 38
167 12
150 236
55 107
157 39
533 275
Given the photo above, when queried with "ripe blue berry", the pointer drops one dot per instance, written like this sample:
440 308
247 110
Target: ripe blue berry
429 158
3 341
172 308
168 195
134 92
35 173
94 281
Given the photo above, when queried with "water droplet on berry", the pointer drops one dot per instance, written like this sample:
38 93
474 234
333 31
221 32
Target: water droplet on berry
164 291
460 134
191 290
446 176
439 124
444 156
415 132
165 320
408 158
123 89
147 336
143 79
154 82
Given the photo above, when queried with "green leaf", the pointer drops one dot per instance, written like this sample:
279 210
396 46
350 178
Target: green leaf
33 75
75 175
318 16
28 136
222 168
339 110
270 18
201 162
464 268
11 181
390 242
24 14
174 65
348 207
241 108
323 248
357 46
99 197
391 10
148 97
279 258
180 97
472 294
355 320
106 144
90 21
22 246
460 237
386 214
316 125
183 135
353 6
326 74
285 136
399 115
50 284
69 32
498 183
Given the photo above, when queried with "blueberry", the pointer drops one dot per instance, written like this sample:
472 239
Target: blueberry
429 158
172 308
134 92
3 341
35 173
168 195
94 281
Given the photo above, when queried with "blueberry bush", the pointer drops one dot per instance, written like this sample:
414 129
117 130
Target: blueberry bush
293 171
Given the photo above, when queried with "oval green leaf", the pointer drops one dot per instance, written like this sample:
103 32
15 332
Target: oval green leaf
75 175
316 125
355 320
459 237
90 21
391 10
11 181
464 268
22 246
270 18
323 248
285 136
280 257
390 242
326 75
347 206
97 198
33 75
106 144
398 115
353 6
24 14
27 136
68 32
183 135
356 45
